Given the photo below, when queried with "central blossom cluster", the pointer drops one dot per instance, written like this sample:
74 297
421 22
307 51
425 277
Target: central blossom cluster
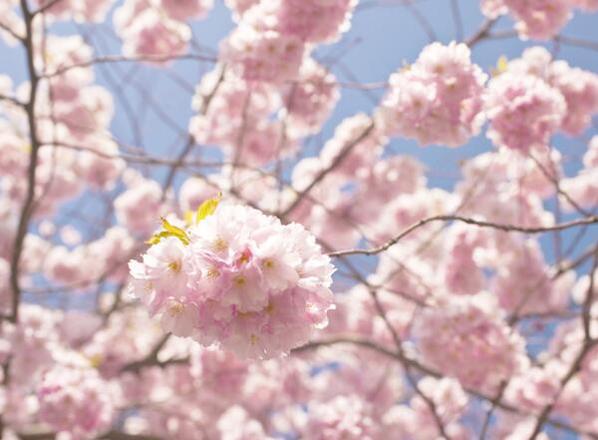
238 278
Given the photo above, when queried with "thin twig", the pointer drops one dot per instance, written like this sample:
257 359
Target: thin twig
128 59
544 415
481 33
456 11
12 100
578 42
586 313
335 163
45 7
471 221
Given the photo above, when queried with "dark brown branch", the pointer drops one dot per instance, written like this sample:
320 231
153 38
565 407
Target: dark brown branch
110 435
151 360
12 100
471 221
28 204
555 181
46 6
544 416
117 435
586 313
11 32
481 33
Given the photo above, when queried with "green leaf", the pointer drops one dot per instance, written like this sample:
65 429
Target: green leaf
501 66
207 208
169 231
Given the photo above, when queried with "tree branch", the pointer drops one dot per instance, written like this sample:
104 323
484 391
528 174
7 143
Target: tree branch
322 174
28 205
407 361
471 221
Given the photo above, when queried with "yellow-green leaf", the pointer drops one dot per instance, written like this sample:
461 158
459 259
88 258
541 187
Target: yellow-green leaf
175 231
189 217
501 66
169 231
207 208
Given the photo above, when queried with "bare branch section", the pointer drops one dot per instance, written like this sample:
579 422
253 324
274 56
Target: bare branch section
111 435
586 313
130 59
27 209
191 140
322 174
45 7
578 42
11 32
117 435
481 33
11 100
151 360
483 224
543 418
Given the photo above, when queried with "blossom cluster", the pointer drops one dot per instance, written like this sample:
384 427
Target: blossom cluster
157 29
442 99
437 100
478 348
537 19
237 278
273 36
75 400
535 97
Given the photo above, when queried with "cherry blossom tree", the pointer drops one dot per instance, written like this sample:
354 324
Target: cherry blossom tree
280 267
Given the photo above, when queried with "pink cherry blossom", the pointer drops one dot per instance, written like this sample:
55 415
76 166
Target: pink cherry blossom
145 32
464 339
81 11
131 206
537 19
344 417
186 9
235 283
437 99
311 21
263 56
524 111
310 100
240 6
74 399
